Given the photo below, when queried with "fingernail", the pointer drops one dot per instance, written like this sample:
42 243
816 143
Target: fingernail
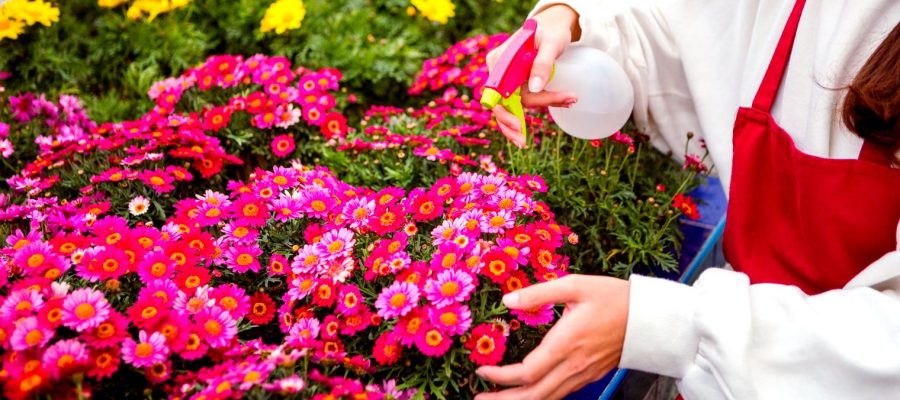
511 300
535 84
571 101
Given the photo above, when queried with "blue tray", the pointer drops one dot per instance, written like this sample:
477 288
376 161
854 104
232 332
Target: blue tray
701 249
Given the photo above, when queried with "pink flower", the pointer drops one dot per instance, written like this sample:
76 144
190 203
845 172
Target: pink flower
158 179
84 309
449 286
28 334
65 356
454 319
217 326
148 351
536 316
316 203
336 244
304 332
357 211
242 258
487 344
283 145
432 342
397 300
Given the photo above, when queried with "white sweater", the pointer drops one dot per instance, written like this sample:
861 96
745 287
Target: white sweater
692 64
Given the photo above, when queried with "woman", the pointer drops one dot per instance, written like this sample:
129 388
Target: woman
807 151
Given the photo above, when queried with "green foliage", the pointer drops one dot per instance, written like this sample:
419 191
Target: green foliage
110 61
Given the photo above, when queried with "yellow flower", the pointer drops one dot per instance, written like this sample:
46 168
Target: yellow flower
110 3
10 29
31 12
152 8
439 11
283 15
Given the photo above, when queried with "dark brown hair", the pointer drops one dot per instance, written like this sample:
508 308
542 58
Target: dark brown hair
872 106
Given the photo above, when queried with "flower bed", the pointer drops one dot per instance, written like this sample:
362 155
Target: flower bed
251 234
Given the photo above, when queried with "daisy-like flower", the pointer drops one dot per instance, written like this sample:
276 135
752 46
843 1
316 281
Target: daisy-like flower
288 385
85 309
409 326
158 179
304 332
159 372
307 260
337 270
316 203
497 266
336 244
514 250
283 145
498 221
486 344
357 211
155 265
36 257
454 319
387 349
248 210
231 298
277 264
138 205
29 333
261 310
397 300
104 362
387 219
449 286
426 207
349 299
148 350
536 316
432 342
334 125
109 333
64 357
217 327
286 116
241 258
285 209
192 304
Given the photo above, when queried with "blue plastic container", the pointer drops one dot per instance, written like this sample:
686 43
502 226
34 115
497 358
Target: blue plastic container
701 249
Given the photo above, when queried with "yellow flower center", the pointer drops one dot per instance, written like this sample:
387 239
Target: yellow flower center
143 350
34 337
450 289
318 205
398 300
35 260
85 311
213 327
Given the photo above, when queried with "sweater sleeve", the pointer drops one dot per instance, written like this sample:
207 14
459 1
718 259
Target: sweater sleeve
726 338
635 33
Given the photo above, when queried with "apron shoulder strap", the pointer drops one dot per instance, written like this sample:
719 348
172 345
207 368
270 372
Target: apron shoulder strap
765 96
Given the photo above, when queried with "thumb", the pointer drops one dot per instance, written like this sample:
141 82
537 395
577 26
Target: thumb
559 291
548 51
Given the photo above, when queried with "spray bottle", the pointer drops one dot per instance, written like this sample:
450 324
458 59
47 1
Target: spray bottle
605 96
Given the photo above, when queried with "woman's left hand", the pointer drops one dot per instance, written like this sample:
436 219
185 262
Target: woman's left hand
584 345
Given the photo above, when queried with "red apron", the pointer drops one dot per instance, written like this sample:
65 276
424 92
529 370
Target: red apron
798 219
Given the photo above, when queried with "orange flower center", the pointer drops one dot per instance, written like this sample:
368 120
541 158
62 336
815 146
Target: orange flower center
213 327
398 300
143 350
85 311
35 260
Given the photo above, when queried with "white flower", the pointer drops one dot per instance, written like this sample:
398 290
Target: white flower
138 205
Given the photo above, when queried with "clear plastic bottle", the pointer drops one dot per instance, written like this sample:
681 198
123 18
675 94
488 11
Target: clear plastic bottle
605 95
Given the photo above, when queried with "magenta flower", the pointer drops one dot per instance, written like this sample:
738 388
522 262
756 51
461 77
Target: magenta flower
149 350
449 286
217 326
316 203
535 317
84 309
397 300
455 319
241 258
283 145
64 356
357 211
304 332
285 209
336 244
28 334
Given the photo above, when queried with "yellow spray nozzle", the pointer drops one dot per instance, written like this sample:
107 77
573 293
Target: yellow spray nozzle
490 98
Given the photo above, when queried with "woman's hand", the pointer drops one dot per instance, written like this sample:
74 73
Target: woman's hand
557 27
585 344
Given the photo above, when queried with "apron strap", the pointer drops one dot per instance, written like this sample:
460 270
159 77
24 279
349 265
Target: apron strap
772 80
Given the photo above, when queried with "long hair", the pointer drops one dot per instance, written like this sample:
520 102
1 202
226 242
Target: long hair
872 105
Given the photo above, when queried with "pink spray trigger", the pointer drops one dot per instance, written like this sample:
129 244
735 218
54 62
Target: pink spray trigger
510 72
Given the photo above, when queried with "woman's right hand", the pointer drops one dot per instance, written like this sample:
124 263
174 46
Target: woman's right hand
557 26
